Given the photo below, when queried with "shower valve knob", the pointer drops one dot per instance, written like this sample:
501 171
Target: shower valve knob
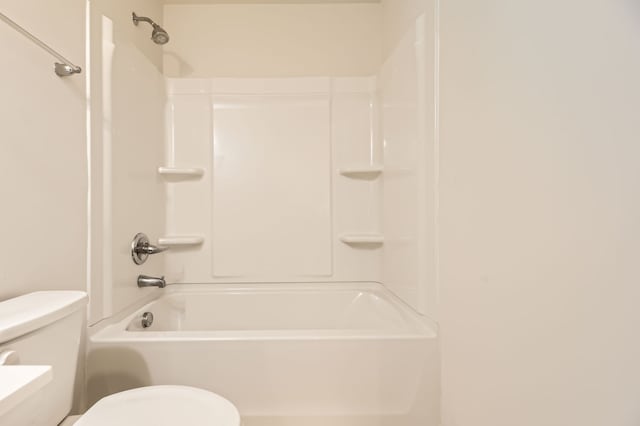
141 248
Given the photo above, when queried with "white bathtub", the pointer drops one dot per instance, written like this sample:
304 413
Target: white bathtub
297 354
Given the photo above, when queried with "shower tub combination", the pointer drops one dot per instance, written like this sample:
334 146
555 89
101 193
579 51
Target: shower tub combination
284 354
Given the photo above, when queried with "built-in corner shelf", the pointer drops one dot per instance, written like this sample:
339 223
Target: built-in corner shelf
361 172
360 239
183 240
181 172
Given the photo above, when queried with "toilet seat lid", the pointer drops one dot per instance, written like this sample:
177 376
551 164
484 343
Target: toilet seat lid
162 406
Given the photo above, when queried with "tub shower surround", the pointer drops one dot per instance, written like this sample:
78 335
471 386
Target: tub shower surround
280 231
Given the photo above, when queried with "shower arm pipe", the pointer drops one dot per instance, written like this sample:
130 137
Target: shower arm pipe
63 68
137 19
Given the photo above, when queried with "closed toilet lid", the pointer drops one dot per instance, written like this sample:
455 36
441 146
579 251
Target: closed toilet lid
162 406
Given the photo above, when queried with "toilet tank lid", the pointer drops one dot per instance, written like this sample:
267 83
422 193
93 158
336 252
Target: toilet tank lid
24 314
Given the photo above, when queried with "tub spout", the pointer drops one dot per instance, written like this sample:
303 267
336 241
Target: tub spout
146 281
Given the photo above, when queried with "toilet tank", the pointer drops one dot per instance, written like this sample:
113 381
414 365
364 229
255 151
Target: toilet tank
44 328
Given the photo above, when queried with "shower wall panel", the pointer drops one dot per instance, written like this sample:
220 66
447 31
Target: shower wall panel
407 92
127 96
272 204
271 185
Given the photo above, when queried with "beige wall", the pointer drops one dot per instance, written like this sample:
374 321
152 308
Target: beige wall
272 40
540 212
43 167
127 109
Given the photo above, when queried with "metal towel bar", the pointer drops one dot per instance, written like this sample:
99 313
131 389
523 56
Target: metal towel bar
63 68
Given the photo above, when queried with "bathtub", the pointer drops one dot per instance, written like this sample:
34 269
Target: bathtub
284 354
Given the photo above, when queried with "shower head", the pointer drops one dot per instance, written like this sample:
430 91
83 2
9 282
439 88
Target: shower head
158 35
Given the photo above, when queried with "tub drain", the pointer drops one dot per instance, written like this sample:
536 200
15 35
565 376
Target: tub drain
147 319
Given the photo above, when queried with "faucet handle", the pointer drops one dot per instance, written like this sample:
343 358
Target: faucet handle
141 248
150 249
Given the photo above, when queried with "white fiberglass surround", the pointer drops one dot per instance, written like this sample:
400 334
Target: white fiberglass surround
266 180
286 179
307 353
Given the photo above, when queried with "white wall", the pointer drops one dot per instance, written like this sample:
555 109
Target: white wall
540 208
272 40
43 165
406 90
127 140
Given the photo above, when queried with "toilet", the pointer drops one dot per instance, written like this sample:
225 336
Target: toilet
45 329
